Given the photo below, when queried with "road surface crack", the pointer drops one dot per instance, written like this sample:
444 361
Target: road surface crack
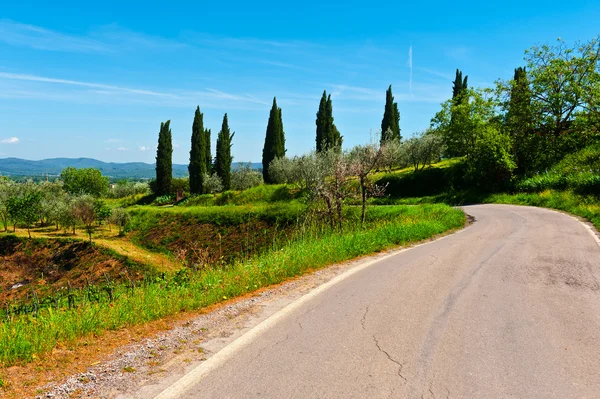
364 318
390 358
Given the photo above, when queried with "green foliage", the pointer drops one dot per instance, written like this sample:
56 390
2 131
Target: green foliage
120 218
459 86
274 140
491 164
164 161
520 124
25 208
579 172
564 81
84 210
84 181
223 159
180 184
390 124
244 177
580 205
197 166
422 150
328 135
124 188
212 184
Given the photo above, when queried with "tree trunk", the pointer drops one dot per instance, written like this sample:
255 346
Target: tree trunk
29 232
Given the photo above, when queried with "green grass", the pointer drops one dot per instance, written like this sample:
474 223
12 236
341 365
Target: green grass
585 206
26 336
220 215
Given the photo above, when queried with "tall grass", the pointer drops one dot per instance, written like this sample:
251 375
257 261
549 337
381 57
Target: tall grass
585 206
23 338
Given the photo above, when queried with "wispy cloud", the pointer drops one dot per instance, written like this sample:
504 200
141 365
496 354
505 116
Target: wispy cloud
34 78
235 97
11 140
434 72
18 34
121 149
144 148
410 67
114 140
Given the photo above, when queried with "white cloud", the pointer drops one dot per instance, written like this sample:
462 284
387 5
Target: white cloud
11 140
34 78
144 148
114 140
121 149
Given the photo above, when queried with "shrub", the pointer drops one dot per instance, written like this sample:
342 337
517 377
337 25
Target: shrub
212 183
245 177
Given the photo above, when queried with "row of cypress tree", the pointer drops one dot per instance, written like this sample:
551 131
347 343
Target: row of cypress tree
201 161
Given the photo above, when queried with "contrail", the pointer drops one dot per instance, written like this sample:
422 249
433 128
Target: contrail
410 66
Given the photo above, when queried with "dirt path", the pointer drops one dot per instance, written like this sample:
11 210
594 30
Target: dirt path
110 240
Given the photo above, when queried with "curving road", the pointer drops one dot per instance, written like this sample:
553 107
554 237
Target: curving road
507 308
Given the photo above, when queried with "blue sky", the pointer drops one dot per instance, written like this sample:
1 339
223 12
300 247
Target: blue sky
95 79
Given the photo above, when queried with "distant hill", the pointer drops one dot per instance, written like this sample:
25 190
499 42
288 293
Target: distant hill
17 167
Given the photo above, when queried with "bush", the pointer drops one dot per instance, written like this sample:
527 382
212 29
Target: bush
245 177
212 183
127 189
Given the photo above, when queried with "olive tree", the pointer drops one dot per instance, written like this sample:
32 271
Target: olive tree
85 212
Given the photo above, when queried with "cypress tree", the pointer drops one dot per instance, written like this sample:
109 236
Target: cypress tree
164 162
327 134
197 166
390 124
459 86
207 153
224 158
321 122
334 139
274 140
519 122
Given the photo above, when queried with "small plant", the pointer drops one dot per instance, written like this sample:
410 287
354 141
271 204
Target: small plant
129 369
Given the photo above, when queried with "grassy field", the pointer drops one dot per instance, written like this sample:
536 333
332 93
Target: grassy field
23 338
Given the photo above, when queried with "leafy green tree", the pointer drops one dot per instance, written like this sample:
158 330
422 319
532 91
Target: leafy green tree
519 123
223 159
84 181
85 212
164 161
390 124
6 192
53 199
197 166
491 164
120 218
328 135
101 210
274 140
244 177
25 208
422 150
565 83
458 123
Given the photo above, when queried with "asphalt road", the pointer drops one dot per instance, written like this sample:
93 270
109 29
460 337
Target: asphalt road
507 308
